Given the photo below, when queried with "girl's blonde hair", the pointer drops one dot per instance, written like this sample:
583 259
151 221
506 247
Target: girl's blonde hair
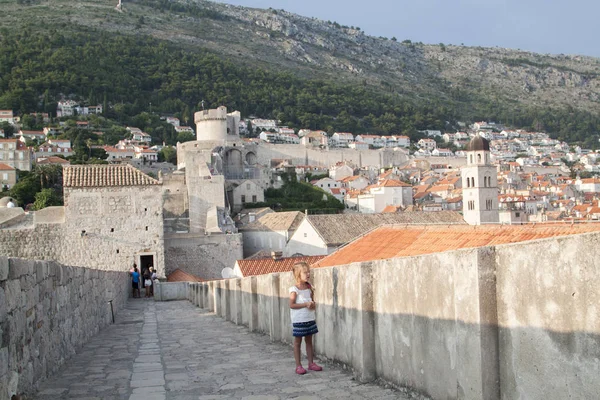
297 269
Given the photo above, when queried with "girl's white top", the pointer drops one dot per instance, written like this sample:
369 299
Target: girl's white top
302 314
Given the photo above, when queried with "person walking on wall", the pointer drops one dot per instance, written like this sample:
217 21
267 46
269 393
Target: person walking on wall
135 281
302 311
147 281
153 276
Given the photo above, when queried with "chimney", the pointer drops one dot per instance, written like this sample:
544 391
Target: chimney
276 255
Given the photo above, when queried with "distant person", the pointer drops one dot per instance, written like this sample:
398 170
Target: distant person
135 281
302 310
147 281
153 277
10 204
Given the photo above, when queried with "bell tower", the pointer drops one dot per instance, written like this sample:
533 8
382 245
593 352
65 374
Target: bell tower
479 184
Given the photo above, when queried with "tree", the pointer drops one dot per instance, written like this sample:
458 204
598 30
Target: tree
185 137
8 129
46 198
168 154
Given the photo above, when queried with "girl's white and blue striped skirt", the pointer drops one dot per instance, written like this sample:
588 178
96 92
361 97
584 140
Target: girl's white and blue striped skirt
301 329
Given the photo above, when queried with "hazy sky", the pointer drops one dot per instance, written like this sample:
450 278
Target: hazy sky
542 26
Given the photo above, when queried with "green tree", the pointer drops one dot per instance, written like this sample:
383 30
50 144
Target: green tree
46 198
168 154
185 137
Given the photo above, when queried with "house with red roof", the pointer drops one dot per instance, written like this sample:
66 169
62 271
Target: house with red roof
8 176
269 265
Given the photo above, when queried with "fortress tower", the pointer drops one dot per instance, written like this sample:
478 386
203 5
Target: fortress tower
211 125
479 184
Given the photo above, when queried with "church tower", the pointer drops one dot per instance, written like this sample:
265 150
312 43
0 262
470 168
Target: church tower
479 184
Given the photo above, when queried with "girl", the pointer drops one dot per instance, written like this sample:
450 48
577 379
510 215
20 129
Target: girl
302 310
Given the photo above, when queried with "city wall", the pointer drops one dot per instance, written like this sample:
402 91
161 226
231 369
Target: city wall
504 322
301 155
47 311
202 255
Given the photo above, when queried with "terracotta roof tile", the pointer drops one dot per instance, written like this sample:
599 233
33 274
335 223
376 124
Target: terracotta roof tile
181 276
105 175
403 241
338 229
269 265
6 167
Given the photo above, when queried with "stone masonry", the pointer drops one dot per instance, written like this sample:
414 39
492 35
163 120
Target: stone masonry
47 311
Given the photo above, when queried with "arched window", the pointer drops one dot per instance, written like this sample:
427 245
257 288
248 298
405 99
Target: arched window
471 159
468 182
479 158
472 182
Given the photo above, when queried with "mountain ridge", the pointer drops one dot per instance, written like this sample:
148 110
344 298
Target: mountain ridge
312 48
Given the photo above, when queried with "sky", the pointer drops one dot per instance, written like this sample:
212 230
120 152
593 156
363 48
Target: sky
541 26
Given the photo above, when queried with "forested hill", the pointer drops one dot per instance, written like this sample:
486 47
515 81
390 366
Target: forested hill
167 56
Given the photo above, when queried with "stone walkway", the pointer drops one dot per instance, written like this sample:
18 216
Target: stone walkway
173 350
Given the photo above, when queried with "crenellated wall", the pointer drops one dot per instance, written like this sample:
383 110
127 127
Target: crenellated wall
47 311
503 322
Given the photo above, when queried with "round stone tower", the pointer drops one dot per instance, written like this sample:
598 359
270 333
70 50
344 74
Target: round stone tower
211 125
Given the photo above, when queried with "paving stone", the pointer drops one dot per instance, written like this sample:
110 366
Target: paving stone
179 352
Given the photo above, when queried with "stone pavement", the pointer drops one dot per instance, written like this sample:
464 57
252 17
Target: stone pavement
173 350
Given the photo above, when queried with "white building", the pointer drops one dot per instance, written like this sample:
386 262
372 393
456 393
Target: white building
342 139
479 184
8 116
403 141
340 171
427 144
247 192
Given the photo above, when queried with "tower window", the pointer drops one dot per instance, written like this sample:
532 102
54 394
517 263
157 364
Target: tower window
479 158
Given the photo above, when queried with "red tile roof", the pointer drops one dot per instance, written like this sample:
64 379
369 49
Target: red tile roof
392 183
52 160
105 175
403 241
6 167
269 265
181 276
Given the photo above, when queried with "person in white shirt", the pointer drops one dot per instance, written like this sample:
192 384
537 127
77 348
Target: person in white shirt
10 204
302 311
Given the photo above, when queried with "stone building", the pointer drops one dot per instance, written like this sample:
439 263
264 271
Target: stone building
480 184
13 152
112 217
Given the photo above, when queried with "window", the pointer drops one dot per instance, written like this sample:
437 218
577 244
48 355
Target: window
468 182
243 198
478 158
247 186
329 185
471 159
5 177
517 215
472 182
254 200
488 204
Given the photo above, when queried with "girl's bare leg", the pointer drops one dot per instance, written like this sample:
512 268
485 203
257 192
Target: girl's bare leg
309 348
297 354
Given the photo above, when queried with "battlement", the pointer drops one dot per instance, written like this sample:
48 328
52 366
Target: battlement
219 114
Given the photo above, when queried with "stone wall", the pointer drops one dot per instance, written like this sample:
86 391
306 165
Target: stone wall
202 255
47 311
504 322
301 155
105 229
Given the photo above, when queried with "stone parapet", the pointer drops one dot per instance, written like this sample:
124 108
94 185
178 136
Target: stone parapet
47 311
502 322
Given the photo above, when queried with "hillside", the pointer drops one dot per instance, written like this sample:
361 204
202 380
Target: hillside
553 92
